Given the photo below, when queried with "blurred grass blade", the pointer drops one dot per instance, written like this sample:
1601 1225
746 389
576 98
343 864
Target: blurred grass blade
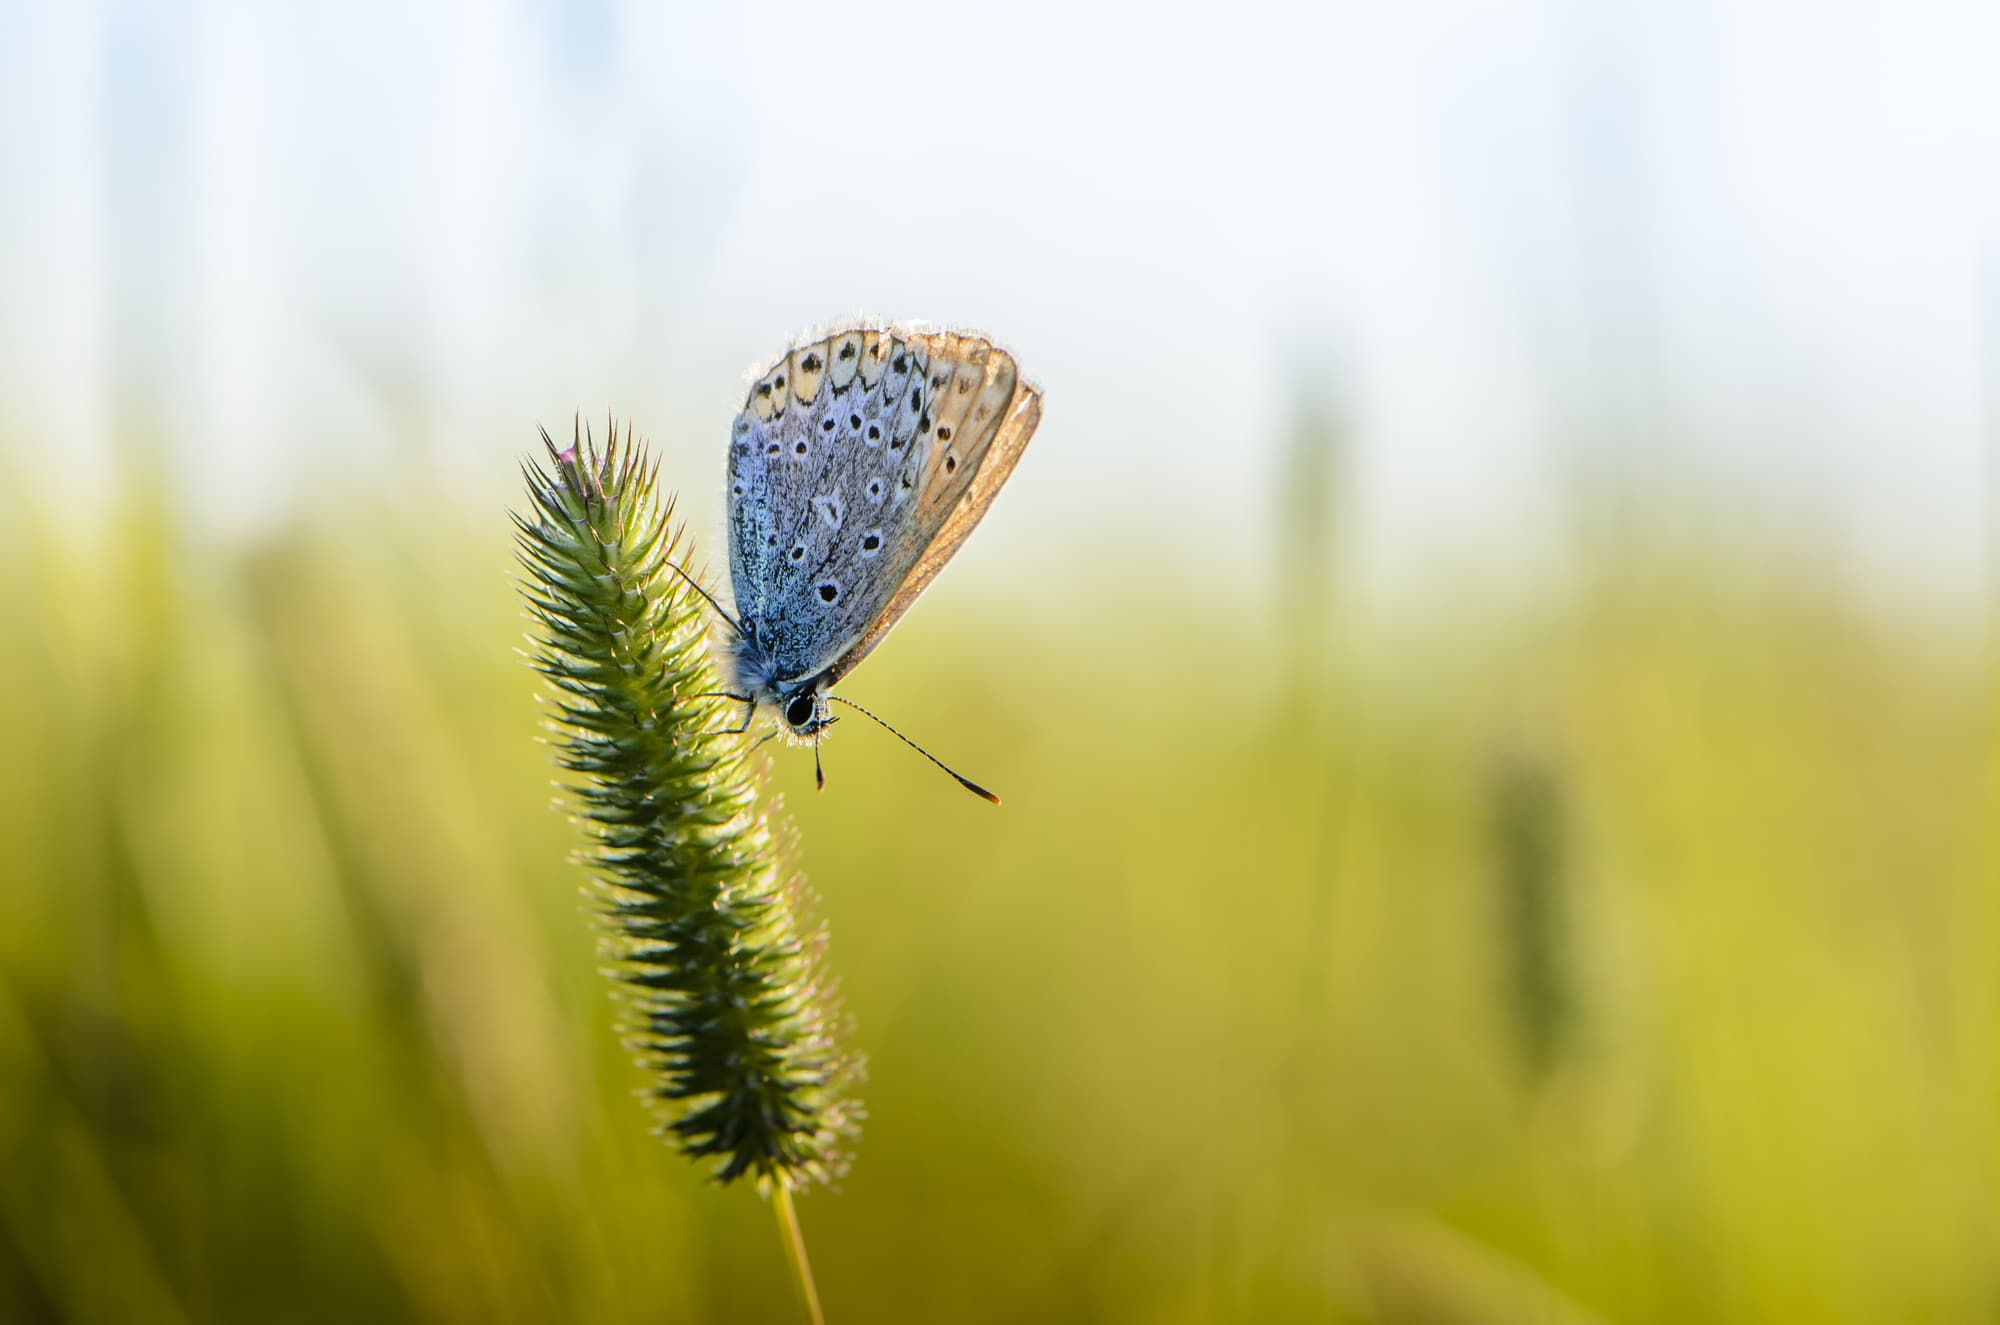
1528 841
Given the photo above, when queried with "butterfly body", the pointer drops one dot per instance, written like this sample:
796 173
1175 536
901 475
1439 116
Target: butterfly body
861 460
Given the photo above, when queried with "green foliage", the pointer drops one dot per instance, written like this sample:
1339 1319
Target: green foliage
297 1022
733 1009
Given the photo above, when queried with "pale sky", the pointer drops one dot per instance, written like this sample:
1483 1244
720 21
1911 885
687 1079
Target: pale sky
291 240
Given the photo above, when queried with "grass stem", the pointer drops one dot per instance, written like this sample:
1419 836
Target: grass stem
795 1251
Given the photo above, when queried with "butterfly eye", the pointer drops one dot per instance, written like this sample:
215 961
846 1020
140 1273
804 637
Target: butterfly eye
800 711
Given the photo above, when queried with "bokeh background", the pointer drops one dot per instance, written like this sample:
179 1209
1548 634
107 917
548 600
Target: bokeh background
1489 658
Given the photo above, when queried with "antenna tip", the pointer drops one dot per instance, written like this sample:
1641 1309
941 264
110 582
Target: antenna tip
977 790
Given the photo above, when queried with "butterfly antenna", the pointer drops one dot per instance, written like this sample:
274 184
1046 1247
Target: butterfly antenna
819 772
965 782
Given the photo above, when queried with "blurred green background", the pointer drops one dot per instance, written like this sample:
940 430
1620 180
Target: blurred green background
1424 893
1623 953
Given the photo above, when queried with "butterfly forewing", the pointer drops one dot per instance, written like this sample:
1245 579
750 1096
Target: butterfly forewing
860 462
996 461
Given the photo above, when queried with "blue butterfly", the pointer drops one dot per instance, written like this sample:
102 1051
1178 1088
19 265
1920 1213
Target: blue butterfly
863 458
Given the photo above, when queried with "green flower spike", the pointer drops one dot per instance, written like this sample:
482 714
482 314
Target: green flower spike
730 1006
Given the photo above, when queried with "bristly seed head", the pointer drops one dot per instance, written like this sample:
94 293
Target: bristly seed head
724 980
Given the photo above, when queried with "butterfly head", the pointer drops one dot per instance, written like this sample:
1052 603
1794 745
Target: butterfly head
805 710
801 704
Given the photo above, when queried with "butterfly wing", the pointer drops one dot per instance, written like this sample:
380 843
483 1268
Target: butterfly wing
860 462
992 413
781 456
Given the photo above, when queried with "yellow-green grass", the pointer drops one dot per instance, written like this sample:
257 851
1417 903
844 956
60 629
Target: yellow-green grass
300 1015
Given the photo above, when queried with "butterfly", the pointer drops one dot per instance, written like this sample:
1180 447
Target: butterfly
863 458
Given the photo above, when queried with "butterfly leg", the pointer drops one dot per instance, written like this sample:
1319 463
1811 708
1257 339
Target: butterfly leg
749 710
728 620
